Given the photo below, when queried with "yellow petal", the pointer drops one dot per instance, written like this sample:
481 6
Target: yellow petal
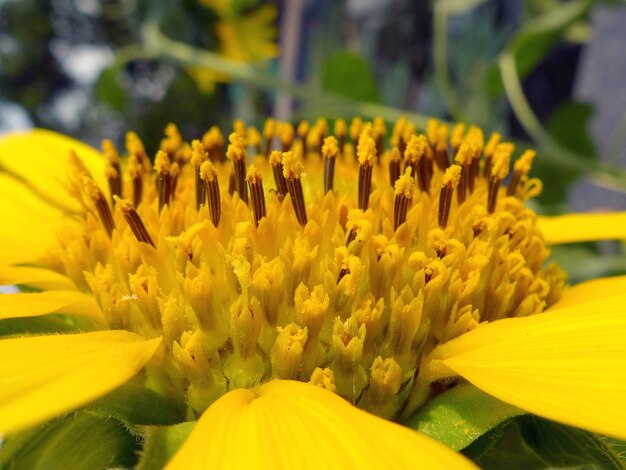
568 365
28 225
45 376
41 158
35 304
287 424
591 290
38 278
583 227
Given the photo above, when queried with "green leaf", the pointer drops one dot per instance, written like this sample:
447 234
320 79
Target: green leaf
350 75
536 37
134 405
35 325
161 443
563 446
108 89
569 126
78 441
461 415
508 452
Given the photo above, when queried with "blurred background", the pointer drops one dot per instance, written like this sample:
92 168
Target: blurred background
548 74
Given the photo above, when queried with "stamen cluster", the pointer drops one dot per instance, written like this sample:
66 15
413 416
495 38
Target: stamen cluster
337 259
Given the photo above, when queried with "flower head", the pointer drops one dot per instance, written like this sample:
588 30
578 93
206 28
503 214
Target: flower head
350 266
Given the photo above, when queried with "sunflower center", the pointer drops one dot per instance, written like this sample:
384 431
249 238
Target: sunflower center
332 259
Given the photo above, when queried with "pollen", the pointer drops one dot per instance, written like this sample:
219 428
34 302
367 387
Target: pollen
336 258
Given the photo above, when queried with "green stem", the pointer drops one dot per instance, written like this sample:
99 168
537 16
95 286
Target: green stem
610 175
440 53
159 45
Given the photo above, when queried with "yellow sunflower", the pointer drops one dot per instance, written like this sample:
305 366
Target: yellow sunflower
296 292
251 37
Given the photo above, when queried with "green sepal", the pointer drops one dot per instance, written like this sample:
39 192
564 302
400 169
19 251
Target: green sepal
563 446
135 405
461 415
79 441
161 443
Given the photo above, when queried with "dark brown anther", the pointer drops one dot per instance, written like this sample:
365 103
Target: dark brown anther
163 180
240 179
513 183
277 171
330 150
286 135
441 158
394 165
474 172
499 171
134 221
238 154
342 274
404 188
135 171
521 168
255 182
365 186
113 171
340 130
269 131
366 154
200 190
488 151
450 181
115 182
463 159
198 157
492 198
104 211
425 172
351 236
292 169
231 183
208 174
174 172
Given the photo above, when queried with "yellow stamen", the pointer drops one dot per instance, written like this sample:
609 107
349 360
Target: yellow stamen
341 130
113 170
208 174
254 139
269 131
450 182
456 139
277 170
163 181
395 159
404 188
238 154
292 169
330 149
104 211
356 127
134 221
286 134
199 156
255 182
414 156
366 153
499 171
521 168
441 147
